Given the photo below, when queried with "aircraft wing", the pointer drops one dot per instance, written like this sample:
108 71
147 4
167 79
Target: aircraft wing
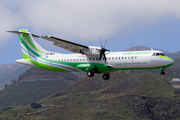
73 47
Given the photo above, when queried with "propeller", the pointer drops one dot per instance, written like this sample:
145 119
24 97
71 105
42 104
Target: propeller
103 50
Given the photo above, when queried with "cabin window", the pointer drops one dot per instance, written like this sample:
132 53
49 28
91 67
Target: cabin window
131 57
112 58
116 58
135 57
96 58
83 59
119 57
93 58
128 57
73 59
65 60
109 58
125 57
90 58
70 59
122 57
79 59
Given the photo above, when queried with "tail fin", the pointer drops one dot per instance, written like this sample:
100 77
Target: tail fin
29 47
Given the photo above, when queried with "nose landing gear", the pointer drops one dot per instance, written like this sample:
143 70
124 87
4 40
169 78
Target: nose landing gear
162 71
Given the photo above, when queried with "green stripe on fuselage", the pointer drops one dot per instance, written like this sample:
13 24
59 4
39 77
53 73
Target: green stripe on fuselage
166 57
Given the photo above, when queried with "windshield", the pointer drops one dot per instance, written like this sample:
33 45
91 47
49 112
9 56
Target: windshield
159 54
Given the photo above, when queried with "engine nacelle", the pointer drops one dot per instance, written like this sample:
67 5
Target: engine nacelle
92 50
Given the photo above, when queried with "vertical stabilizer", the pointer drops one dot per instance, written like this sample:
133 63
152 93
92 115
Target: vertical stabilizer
29 47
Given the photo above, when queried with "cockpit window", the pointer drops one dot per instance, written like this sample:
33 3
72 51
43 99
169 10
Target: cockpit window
162 54
157 54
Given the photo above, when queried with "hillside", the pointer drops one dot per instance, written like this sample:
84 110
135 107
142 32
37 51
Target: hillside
33 85
9 72
40 74
124 96
22 93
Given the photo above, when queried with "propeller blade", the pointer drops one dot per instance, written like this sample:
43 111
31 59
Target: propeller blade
100 56
104 56
105 43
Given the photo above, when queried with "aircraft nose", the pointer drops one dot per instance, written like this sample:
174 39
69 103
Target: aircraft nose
170 61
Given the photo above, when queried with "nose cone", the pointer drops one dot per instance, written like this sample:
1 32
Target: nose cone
170 61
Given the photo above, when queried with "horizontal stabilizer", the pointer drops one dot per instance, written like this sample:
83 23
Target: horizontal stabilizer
19 33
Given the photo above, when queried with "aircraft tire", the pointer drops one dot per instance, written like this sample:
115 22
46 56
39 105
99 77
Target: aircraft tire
162 73
106 76
90 74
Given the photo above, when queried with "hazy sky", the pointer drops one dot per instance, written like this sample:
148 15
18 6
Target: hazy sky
151 23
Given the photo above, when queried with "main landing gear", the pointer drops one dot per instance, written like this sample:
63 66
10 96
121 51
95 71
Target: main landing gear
162 71
105 76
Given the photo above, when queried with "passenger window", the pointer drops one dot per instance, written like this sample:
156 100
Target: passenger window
112 58
154 54
131 57
96 58
90 58
125 57
93 58
128 57
109 58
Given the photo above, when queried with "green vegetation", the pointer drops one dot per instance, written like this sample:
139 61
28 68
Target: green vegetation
35 105
9 72
40 72
124 96
22 93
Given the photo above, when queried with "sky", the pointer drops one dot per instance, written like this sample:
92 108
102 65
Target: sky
125 23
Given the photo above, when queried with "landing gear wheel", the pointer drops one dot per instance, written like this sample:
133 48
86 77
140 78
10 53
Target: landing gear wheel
106 76
162 72
90 74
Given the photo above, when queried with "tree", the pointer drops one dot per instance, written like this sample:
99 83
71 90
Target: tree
13 81
5 86
35 105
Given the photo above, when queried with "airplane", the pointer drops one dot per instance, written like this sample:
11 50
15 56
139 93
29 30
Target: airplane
89 59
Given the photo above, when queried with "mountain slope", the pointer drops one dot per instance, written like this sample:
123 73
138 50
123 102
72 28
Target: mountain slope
9 72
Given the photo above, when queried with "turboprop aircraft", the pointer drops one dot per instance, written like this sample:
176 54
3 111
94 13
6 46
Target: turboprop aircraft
89 59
